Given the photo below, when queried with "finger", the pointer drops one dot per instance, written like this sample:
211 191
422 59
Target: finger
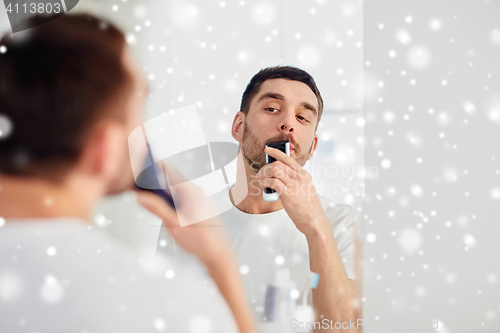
158 207
280 172
281 156
184 189
275 184
270 169
276 169
281 167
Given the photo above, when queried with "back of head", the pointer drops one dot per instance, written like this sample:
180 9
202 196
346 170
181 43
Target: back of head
57 81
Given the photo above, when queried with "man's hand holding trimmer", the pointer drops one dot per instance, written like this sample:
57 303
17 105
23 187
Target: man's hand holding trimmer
206 239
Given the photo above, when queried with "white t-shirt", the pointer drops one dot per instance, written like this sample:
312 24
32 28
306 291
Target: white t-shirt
62 275
266 243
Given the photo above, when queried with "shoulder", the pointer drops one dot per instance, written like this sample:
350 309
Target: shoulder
341 217
337 213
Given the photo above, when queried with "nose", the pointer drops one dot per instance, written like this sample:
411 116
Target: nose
286 124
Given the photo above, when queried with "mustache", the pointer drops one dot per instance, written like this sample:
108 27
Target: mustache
283 138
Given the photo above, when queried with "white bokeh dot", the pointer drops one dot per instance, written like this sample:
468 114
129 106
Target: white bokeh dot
131 39
469 107
494 115
410 240
360 122
370 238
264 13
495 193
200 324
294 293
279 260
386 163
403 37
309 56
435 24
491 278
495 36
5 127
170 274
10 285
184 15
450 175
140 11
388 116
418 56
450 278
348 10
51 251
469 240
244 269
264 230
349 199
416 190
100 220
51 290
159 324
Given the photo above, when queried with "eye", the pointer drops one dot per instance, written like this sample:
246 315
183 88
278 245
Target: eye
270 109
302 118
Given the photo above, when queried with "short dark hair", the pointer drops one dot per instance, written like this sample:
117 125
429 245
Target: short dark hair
57 80
279 72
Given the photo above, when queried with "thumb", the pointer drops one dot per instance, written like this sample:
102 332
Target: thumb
187 189
157 206
173 175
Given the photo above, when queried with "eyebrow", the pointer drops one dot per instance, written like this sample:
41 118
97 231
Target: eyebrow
282 98
309 107
271 95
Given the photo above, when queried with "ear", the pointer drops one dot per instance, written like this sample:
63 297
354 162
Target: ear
238 126
314 146
101 154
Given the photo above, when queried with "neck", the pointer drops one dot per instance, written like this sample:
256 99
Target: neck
246 183
24 197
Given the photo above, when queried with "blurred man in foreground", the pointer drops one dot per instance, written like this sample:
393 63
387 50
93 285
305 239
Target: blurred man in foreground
69 97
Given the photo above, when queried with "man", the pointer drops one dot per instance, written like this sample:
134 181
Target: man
302 230
69 97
